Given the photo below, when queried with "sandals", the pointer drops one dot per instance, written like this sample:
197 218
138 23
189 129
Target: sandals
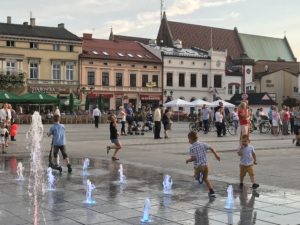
114 159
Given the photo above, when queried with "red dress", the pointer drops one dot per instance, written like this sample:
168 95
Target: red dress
14 130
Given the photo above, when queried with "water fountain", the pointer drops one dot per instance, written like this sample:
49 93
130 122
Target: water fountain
229 201
167 183
20 169
51 179
122 177
85 166
146 212
36 186
89 189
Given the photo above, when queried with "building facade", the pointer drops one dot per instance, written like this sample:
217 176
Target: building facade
120 72
46 56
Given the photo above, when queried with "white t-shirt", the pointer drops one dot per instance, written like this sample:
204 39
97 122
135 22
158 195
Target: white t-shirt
219 117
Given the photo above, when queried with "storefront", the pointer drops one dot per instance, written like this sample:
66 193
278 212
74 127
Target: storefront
150 100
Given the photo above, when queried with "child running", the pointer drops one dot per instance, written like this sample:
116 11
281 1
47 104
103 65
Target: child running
198 153
114 137
248 158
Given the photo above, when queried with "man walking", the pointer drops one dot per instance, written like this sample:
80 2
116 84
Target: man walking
157 122
96 115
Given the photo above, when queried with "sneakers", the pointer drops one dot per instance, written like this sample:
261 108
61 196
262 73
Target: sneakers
69 168
254 186
211 194
241 185
114 158
107 149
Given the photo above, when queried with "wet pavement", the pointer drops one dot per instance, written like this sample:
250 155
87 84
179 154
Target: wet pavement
123 204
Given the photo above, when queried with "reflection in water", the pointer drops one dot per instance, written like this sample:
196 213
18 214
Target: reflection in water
229 213
201 214
247 216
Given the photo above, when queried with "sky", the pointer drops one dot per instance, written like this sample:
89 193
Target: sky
141 18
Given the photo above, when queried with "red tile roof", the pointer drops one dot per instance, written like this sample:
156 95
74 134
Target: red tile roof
116 50
129 38
199 36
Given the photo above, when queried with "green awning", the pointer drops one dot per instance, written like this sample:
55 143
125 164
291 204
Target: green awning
39 98
77 102
10 97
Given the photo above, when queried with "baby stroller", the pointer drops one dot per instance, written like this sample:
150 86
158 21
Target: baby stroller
136 127
149 123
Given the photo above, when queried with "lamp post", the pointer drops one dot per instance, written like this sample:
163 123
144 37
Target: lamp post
168 94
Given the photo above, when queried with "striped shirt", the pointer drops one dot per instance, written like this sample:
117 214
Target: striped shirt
199 150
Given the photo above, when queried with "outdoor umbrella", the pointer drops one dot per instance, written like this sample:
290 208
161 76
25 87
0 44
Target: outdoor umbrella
200 102
39 98
10 97
71 103
178 103
87 103
100 103
58 97
225 104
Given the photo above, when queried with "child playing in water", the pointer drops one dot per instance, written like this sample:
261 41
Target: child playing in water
198 153
114 137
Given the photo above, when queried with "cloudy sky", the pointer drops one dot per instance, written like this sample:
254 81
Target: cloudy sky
141 18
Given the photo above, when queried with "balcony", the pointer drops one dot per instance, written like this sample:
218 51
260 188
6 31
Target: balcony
123 88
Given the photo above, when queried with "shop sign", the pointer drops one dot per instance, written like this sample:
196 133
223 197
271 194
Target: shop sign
48 90
150 97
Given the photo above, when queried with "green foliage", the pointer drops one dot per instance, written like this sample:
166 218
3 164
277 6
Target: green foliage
291 102
11 81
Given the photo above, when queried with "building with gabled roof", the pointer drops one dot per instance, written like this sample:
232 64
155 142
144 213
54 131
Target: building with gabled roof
121 72
116 37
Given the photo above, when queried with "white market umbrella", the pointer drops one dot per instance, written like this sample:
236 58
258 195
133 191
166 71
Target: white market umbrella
178 103
225 104
200 102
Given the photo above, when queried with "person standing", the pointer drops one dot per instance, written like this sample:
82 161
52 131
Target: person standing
57 130
235 119
122 116
129 117
244 119
5 116
285 121
96 115
157 122
166 120
205 118
219 119
57 111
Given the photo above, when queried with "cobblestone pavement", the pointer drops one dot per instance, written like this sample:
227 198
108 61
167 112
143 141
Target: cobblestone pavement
145 161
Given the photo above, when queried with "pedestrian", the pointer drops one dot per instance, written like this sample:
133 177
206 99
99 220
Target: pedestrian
57 111
166 121
96 116
3 134
157 121
235 119
276 121
129 117
114 137
244 118
122 115
198 155
285 121
297 126
247 160
13 131
205 118
219 119
57 130
291 111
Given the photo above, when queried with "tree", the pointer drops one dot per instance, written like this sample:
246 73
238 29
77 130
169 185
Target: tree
290 102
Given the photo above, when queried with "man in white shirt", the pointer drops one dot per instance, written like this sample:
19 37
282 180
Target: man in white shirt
157 122
5 114
96 115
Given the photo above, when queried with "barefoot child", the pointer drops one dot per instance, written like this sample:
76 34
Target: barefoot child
248 158
114 137
198 153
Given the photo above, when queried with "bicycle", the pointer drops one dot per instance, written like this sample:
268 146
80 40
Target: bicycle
195 126
264 126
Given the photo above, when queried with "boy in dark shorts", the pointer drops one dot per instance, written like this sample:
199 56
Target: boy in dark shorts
114 137
198 153
59 143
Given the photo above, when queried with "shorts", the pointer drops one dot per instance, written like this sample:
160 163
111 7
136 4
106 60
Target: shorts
115 141
246 169
296 129
244 130
203 169
62 149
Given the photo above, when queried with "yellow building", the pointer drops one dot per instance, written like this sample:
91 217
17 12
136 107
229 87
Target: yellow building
46 56
120 72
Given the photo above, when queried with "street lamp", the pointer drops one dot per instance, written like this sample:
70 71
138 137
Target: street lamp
168 94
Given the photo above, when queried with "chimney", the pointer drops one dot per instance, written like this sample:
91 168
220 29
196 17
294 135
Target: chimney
178 44
9 20
61 25
32 22
87 36
25 23
152 43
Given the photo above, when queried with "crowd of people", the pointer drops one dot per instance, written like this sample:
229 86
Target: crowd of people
8 126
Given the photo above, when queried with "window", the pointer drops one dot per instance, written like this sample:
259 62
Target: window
33 70
56 71
230 89
10 43
193 80
70 48
119 79
69 71
155 79
33 45
181 80
91 78
170 79
105 79
132 80
56 47
10 67
218 81
204 80
144 80
237 89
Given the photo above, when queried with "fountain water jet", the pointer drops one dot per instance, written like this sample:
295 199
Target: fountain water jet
20 169
85 166
167 183
89 189
36 186
229 201
122 177
51 179
146 212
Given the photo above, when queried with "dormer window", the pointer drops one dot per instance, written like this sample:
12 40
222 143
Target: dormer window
120 54
33 45
10 43
105 53
130 55
95 52
56 47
